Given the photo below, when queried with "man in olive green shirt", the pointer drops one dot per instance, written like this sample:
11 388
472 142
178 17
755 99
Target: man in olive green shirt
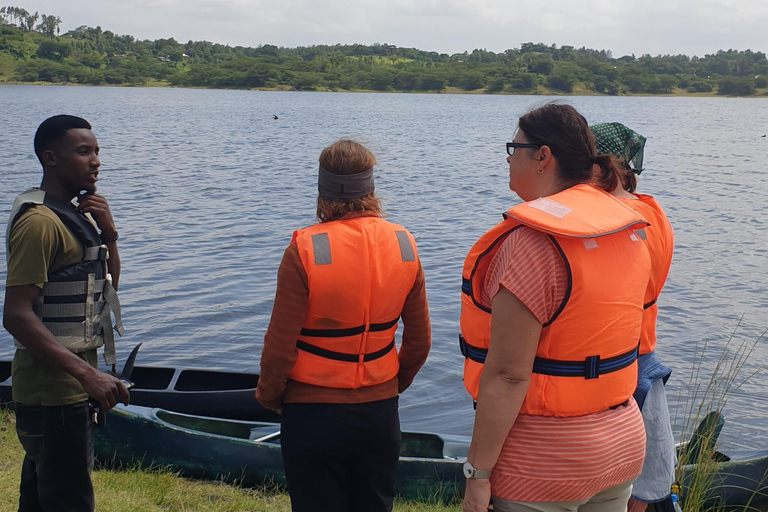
51 383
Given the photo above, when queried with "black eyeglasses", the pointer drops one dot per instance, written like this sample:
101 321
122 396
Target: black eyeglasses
512 146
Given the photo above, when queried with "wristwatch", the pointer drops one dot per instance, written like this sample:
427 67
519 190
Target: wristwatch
471 472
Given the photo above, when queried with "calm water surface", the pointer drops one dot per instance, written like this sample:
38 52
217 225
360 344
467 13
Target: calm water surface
206 189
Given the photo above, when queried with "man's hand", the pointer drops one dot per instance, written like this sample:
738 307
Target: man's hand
97 206
105 389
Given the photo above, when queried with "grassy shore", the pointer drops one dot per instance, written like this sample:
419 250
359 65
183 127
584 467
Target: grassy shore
136 490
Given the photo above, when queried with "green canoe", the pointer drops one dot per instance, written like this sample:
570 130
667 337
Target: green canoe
248 453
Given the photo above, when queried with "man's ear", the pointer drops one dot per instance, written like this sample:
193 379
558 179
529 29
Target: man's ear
49 158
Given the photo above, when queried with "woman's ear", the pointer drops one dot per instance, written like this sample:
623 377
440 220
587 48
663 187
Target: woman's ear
545 156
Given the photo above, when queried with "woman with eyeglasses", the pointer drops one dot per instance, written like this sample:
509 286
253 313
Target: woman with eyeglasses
658 474
329 361
552 302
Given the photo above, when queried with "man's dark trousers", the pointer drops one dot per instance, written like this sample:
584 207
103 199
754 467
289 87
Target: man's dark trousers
56 472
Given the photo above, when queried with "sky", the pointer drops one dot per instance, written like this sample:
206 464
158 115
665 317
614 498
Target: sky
690 27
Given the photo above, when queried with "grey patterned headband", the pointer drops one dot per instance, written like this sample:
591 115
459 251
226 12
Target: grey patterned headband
350 186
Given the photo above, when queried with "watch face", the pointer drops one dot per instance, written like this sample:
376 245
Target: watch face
468 470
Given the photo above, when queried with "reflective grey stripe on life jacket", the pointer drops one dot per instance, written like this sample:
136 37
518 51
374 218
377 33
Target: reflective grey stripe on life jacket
76 302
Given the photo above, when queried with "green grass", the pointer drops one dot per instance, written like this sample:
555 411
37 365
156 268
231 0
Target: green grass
707 392
136 490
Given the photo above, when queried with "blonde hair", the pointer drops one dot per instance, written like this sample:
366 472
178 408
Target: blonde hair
345 157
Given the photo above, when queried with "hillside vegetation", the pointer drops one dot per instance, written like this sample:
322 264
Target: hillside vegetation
35 53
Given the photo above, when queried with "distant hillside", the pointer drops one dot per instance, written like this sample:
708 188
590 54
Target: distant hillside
30 53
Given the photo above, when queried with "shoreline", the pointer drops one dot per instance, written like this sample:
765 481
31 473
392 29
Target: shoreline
151 84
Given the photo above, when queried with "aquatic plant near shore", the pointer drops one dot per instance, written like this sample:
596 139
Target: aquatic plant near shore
704 399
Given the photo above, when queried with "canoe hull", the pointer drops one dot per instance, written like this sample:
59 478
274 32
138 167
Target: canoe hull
211 393
138 435
736 484
133 436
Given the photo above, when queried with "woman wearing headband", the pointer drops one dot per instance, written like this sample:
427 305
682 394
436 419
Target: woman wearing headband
552 301
654 483
329 361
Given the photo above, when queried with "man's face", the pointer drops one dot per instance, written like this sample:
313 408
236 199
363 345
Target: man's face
76 160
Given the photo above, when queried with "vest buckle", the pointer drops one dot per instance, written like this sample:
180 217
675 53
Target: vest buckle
592 367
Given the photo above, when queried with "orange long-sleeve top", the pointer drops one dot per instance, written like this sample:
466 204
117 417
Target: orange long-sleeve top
288 313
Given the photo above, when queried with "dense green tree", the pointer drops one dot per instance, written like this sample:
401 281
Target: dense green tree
699 85
31 20
472 81
523 82
380 79
54 50
93 55
561 80
49 25
407 81
732 85
541 64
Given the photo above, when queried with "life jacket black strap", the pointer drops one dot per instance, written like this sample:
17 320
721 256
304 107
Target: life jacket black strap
476 354
591 368
351 331
466 289
343 356
646 306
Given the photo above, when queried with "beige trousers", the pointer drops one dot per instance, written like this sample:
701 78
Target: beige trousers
613 499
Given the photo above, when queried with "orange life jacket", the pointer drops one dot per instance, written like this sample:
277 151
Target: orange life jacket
659 241
359 273
586 357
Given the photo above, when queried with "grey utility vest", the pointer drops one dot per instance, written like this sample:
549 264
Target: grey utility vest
76 302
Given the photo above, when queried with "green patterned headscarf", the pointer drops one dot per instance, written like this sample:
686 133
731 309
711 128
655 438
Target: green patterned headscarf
618 140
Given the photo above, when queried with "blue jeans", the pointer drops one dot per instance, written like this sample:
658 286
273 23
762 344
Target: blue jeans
58 459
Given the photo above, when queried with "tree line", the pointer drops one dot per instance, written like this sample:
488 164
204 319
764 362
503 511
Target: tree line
87 55
49 24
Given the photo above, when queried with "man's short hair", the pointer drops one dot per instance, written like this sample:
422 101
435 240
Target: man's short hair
54 128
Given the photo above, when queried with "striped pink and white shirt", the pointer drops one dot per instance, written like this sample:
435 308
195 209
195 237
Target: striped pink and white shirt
544 458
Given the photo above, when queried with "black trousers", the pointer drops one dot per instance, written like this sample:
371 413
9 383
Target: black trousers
58 458
341 457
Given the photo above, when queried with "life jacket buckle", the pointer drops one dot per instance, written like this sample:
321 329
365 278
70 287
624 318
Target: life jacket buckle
476 354
592 367
463 346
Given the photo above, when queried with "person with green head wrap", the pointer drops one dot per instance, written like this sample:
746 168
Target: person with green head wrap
622 142
654 483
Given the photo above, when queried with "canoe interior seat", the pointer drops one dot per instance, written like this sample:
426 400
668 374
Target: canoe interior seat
227 428
265 434
206 380
152 377
428 446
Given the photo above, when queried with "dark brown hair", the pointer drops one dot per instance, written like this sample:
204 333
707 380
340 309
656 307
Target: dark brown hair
560 127
346 157
628 180
628 177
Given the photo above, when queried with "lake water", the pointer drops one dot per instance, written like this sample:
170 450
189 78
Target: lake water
206 189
